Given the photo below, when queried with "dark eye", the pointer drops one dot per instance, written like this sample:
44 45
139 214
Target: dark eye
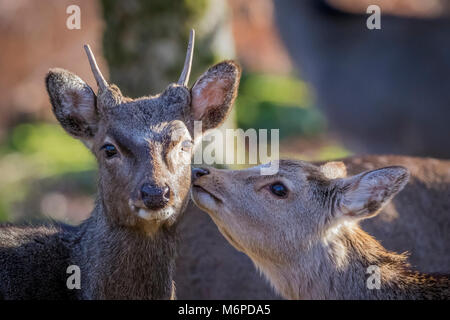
110 150
279 190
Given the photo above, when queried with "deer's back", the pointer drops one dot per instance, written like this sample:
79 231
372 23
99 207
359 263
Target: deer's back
417 220
33 263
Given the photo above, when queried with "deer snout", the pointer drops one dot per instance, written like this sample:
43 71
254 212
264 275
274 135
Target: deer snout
155 197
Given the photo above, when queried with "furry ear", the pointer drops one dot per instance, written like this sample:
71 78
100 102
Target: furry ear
213 94
73 102
334 170
362 196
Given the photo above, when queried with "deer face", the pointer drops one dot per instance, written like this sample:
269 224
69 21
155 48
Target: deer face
143 146
276 218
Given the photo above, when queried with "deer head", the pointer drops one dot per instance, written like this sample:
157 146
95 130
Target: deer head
300 226
279 217
143 146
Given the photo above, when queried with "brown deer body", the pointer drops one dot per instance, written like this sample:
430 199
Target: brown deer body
300 228
127 248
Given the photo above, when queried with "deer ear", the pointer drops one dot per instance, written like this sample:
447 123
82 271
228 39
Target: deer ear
73 102
213 94
362 196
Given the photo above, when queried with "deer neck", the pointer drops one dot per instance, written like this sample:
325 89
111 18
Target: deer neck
345 266
122 263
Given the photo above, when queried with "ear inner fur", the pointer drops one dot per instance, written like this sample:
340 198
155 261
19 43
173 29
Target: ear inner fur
214 93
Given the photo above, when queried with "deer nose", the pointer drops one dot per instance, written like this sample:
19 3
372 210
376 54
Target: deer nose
155 197
198 172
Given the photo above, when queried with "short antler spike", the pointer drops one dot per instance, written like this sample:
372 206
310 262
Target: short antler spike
101 82
184 78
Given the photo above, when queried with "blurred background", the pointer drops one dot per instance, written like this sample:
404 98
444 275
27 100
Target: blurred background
310 68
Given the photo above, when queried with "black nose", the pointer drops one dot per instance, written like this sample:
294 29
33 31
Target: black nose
198 172
155 197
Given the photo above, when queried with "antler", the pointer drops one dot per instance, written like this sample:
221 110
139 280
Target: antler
101 82
184 78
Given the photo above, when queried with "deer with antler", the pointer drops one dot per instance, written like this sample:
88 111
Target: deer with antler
127 248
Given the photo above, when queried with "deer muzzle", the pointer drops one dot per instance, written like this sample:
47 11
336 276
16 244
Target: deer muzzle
155 197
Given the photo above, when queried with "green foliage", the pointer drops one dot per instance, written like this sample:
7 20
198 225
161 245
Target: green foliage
37 151
50 148
281 90
3 211
332 152
276 102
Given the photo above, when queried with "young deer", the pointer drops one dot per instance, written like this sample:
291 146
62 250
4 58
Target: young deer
300 228
127 248
217 271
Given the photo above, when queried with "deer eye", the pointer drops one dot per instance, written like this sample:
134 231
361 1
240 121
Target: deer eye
110 150
186 145
279 190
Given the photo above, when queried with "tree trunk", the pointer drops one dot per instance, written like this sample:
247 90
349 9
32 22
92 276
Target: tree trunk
145 42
